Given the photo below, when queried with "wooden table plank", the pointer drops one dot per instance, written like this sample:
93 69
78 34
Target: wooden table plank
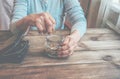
89 31
37 43
82 57
82 71
98 45
92 37
100 37
96 57
95 39
77 58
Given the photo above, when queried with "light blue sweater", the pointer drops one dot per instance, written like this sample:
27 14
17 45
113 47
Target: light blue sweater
57 8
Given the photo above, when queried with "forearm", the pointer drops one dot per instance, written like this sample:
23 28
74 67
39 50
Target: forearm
78 23
81 27
76 16
20 25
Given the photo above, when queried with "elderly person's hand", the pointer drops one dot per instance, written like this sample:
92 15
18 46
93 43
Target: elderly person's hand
70 42
44 22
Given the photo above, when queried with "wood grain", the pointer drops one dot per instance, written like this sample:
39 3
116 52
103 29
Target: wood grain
80 71
94 39
96 57
89 31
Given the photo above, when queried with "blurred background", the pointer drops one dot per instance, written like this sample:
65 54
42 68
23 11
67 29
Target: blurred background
99 13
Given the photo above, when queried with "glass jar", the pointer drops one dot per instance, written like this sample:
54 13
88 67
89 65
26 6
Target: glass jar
53 43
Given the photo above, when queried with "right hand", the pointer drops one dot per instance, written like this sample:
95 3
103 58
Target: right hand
44 22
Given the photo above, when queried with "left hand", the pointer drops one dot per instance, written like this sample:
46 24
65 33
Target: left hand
70 42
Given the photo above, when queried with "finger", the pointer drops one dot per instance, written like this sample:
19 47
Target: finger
51 18
65 47
67 51
76 45
70 44
65 44
50 29
53 21
50 22
68 48
66 41
65 54
43 23
53 29
39 25
47 19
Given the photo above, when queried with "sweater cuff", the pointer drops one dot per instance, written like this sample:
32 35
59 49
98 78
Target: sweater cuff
81 27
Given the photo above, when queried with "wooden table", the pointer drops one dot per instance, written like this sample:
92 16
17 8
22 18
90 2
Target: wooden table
96 57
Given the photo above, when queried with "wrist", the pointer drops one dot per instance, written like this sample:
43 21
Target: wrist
75 35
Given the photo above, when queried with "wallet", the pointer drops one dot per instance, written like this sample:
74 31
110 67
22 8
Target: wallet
14 48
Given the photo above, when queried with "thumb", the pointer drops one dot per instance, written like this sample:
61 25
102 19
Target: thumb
66 40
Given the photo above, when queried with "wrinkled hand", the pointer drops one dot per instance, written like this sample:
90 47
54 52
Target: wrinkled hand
44 22
70 42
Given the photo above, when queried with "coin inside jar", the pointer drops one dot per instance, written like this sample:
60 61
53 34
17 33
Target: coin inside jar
53 43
